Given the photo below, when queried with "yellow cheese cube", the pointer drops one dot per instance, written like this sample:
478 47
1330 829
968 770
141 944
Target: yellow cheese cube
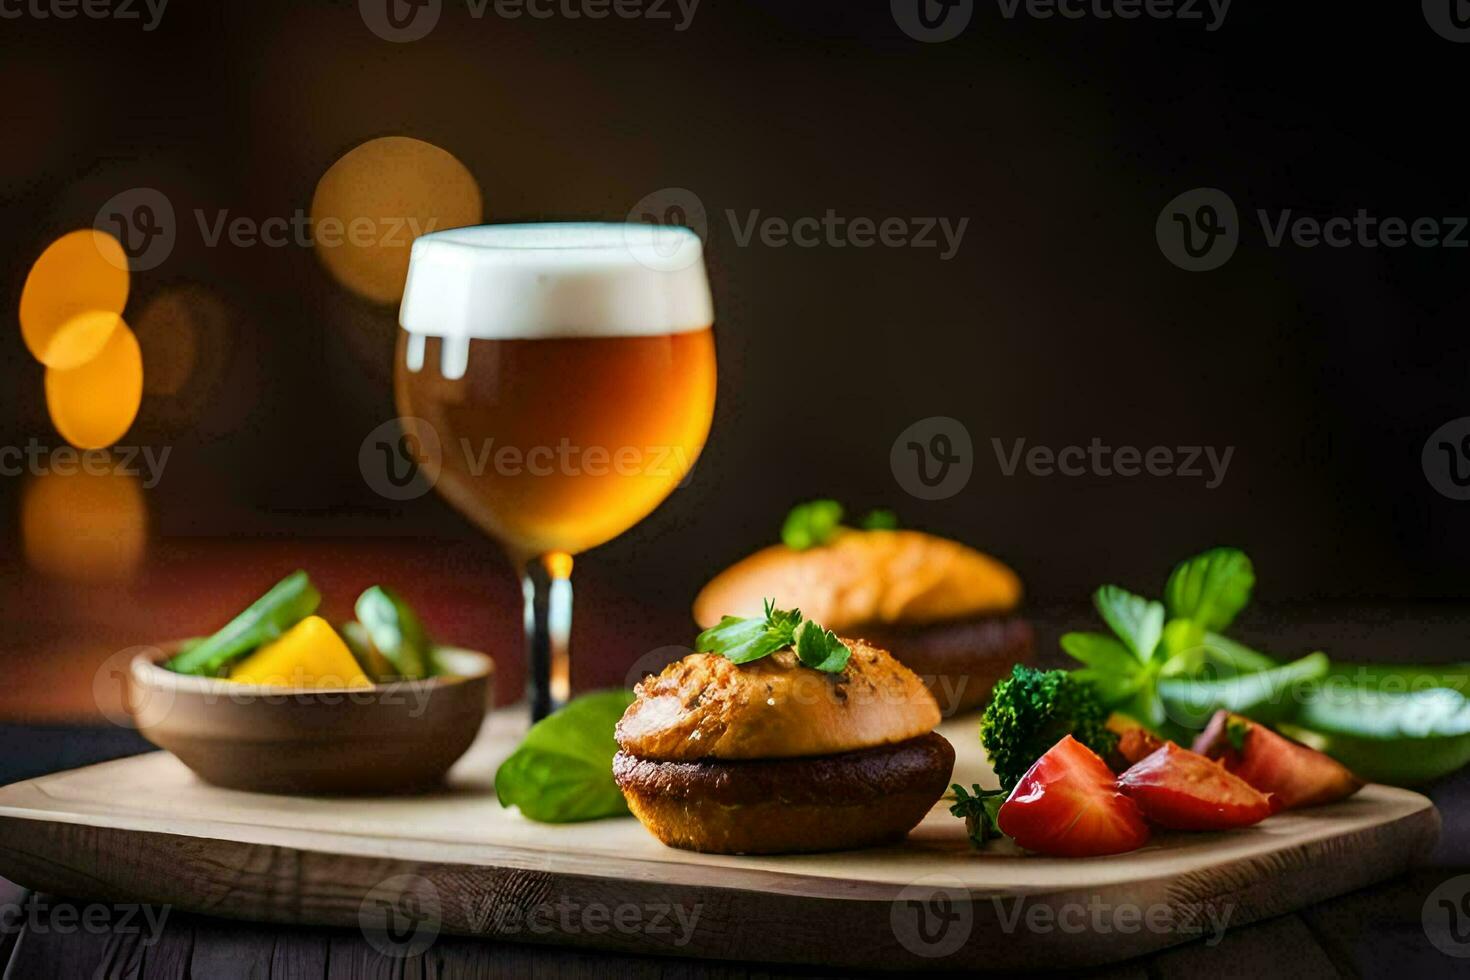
309 654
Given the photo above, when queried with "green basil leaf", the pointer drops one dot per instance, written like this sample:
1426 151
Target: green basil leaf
820 649
1211 588
1228 658
744 640
1265 695
1101 652
562 770
811 524
1139 622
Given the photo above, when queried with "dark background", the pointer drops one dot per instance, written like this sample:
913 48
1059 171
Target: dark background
1058 321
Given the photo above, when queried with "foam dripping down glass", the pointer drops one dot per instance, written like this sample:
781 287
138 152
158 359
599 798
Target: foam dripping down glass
566 373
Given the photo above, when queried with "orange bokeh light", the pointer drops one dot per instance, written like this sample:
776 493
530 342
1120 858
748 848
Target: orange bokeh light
84 526
93 405
373 202
81 274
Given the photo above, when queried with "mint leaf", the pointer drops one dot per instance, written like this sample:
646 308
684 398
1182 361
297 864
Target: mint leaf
1211 588
1265 695
1100 652
744 640
820 649
880 519
562 770
1139 622
811 524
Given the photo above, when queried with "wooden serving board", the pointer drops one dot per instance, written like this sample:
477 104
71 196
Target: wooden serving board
404 869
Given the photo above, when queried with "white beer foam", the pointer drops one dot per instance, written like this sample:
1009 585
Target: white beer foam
504 282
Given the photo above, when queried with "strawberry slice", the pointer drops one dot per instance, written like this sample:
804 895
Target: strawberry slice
1182 790
1068 805
1294 774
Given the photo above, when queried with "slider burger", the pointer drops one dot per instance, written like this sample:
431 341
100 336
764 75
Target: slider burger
948 612
786 741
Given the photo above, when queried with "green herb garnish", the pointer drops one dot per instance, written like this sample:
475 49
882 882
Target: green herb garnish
396 632
979 808
744 640
817 522
562 770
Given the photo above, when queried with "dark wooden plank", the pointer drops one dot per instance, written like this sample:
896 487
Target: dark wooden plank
1281 947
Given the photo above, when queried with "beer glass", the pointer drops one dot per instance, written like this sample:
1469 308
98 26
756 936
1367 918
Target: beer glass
566 373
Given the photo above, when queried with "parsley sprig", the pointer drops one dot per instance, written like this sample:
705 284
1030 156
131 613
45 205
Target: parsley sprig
817 522
980 808
744 640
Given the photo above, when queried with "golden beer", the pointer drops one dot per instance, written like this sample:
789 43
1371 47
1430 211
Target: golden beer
565 377
561 444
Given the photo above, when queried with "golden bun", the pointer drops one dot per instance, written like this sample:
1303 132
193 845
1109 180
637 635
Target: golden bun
865 577
706 707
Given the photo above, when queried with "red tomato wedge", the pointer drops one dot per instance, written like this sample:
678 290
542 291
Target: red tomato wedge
1182 790
1068 805
1293 774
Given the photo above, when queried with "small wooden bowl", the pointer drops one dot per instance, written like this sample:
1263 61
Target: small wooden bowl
392 738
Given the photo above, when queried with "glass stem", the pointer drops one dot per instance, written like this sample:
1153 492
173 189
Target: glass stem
547 588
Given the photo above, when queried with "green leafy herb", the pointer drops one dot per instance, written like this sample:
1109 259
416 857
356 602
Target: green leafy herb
562 770
288 602
1139 622
811 524
880 519
1211 588
1236 730
396 632
744 640
820 649
1031 711
979 808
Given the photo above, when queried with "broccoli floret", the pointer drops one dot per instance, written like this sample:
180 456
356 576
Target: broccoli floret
1031 711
